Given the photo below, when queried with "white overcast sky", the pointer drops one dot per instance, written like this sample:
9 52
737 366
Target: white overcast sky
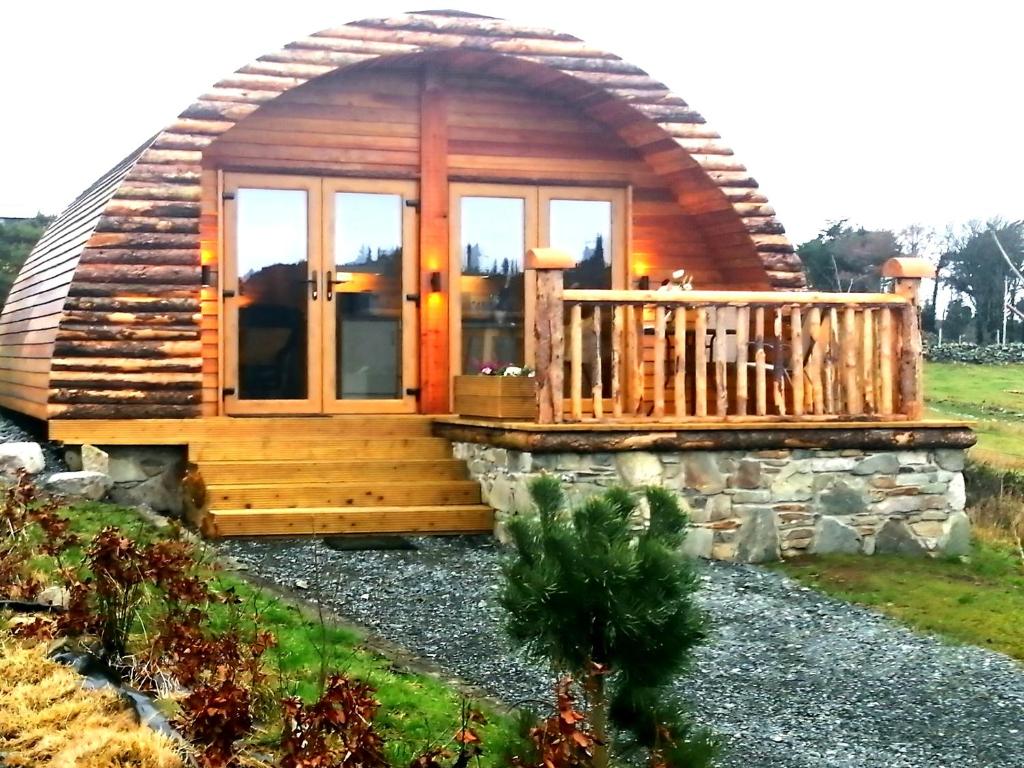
886 113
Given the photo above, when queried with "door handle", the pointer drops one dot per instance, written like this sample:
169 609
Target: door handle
329 285
314 284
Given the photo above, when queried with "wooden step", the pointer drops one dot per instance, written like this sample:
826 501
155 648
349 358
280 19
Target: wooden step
464 518
292 471
415 493
285 446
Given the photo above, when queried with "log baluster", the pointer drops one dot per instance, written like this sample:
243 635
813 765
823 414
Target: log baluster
742 332
854 400
596 371
760 364
867 340
576 361
779 366
679 348
700 363
660 351
885 357
721 363
815 366
796 359
616 361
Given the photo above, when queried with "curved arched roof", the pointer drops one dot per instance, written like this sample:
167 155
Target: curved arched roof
138 227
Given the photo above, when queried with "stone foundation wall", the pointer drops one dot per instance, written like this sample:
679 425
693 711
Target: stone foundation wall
138 474
762 505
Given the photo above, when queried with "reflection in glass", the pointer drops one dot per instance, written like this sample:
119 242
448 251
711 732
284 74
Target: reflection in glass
491 284
273 322
582 228
368 295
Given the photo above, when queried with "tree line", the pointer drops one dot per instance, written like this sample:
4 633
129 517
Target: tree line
17 237
978 267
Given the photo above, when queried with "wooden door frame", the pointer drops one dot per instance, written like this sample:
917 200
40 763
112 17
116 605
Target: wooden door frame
408 403
233 404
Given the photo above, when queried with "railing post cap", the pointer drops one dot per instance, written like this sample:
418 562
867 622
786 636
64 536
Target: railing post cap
908 266
549 258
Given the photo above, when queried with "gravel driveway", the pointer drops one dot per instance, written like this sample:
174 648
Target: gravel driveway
791 678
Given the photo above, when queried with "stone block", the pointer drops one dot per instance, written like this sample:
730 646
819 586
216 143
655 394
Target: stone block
699 542
744 496
955 538
639 468
915 478
792 484
883 481
927 529
895 505
95 460
833 536
17 456
878 464
73 459
895 537
748 474
758 538
702 472
956 493
912 458
79 485
838 464
950 459
841 498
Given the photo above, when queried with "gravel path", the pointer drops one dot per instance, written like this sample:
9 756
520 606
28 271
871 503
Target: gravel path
791 678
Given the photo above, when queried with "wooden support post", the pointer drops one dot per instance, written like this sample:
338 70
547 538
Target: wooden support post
435 381
867 338
742 332
885 357
549 330
851 346
816 362
596 372
679 342
700 363
760 363
616 361
721 363
779 366
796 359
660 352
576 361
908 273
830 332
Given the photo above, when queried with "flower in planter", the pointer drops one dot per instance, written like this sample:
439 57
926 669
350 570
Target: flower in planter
505 369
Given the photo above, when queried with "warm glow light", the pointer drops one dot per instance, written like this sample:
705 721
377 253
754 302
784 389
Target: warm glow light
206 256
639 268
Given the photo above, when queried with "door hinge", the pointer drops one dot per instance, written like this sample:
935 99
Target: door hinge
412 204
413 297
227 196
412 391
228 391
227 294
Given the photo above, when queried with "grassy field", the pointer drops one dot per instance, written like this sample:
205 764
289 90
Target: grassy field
991 394
977 600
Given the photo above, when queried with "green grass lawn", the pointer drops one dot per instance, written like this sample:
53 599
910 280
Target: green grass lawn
977 600
417 710
991 394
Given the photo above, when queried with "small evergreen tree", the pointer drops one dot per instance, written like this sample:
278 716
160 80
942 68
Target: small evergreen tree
613 606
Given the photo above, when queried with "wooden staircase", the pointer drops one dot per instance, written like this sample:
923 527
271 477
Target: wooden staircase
333 475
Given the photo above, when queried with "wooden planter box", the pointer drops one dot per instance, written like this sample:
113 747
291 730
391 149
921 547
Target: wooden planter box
496 397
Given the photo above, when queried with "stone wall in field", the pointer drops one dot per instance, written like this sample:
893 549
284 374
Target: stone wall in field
763 505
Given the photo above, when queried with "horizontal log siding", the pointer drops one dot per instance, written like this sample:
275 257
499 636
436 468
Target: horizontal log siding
132 241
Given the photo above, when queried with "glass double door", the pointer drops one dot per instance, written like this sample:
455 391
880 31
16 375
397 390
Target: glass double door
493 225
319 295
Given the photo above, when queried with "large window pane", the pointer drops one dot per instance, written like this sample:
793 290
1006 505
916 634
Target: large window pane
368 300
492 231
273 266
583 229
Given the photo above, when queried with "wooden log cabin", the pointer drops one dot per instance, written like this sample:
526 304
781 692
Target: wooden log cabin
289 278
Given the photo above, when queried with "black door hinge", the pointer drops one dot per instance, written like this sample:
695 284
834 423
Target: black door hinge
227 294
228 391
413 204
227 196
412 391
413 297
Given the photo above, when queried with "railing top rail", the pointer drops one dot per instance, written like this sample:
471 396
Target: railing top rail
733 298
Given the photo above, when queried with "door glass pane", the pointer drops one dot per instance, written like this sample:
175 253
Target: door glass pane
491 284
273 314
583 228
368 295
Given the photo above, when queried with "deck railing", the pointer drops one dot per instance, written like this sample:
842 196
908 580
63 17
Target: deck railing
728 355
